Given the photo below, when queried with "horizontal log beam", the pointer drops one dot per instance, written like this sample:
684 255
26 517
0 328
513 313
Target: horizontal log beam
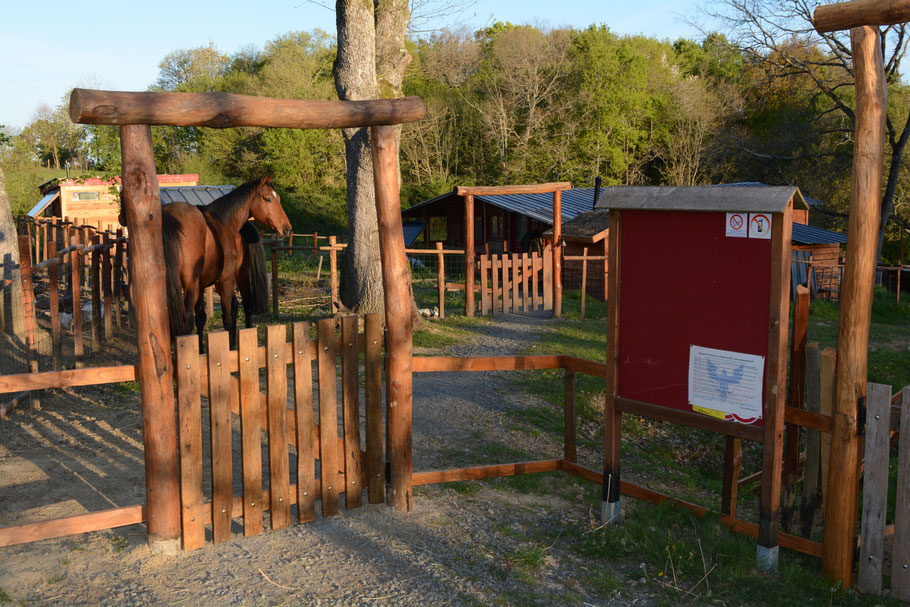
225 110
71 525
806 419
427 364
493 190
482 472
847 15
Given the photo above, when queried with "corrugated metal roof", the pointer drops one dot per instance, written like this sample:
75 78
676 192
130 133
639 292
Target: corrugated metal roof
412 230
535 206
197 195
803 234
43 203
752 199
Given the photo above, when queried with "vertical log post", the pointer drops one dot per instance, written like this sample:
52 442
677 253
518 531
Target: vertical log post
611 510
469 255
142 201
396 282
557 254
333 271
28 303
441 279
856 304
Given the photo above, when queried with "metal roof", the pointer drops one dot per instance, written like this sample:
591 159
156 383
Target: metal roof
535 206
43 203
753 199
197 195
803 234
412 230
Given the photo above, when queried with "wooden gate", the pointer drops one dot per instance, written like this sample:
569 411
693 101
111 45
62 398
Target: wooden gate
516 282
884 548
280 420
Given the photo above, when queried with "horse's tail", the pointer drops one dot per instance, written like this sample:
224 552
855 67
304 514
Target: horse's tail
176 313
254 283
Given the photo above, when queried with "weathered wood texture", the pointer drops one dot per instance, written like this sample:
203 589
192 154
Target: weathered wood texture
224 110
540 188
900 551
847 15
856 303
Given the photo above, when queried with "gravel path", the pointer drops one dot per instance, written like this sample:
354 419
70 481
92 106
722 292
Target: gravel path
505 542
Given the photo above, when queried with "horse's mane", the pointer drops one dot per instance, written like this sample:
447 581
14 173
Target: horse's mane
223 209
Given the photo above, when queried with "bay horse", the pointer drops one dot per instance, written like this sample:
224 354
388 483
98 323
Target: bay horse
203 246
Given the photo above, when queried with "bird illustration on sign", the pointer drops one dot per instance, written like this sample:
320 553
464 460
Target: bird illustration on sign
724 381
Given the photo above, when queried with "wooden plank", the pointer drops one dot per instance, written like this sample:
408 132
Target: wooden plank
251 427
496 268
875 488
810 504
427 364
482 472
506 284
189 415
584 279
900 553
610 498
794 401
526 282
76 286
569 429
220 424
557 254
120 246
828 365
28 303
491 190
72 525
333 272
107 295
350 404
469 255
96 296
277 390
66 379
536 299
517 281
303 410
375 459
484 294
547 278
847 15
53 289
733 459
328 417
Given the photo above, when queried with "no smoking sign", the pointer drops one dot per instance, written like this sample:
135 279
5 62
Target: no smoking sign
748 225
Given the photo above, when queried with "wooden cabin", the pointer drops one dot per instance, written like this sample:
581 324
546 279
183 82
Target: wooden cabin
96 201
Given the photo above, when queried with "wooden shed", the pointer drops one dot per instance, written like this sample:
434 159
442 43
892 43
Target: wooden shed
587 233
95 200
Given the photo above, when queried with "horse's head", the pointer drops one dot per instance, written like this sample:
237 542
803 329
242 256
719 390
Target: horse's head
266 208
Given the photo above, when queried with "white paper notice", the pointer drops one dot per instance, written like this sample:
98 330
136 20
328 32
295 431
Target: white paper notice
737 225
726 381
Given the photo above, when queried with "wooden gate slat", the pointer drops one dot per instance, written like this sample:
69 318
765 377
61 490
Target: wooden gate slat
875 487
536 301
506 285
516 283
350 402
251 426
900 553
189 415
548 278
328 417
303 409
526 282
484 294
277 391
375 463
220 427
495 267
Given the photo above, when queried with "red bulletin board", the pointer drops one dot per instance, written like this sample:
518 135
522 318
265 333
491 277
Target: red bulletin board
684 282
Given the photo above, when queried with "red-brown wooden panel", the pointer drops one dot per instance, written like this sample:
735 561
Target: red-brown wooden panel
220 416
350 402
277 390
328 417
375 461
189 415
303 408
251 426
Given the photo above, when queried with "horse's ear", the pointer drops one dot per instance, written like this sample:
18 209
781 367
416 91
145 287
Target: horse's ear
266 179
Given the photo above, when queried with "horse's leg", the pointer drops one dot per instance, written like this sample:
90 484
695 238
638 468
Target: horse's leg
201 319
190 298
228 309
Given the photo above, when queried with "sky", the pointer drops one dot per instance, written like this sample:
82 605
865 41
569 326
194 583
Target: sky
47 48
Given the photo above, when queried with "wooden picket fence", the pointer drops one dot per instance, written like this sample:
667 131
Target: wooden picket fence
884 548
344 469
516 282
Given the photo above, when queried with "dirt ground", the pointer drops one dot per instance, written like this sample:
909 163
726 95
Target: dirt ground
507 542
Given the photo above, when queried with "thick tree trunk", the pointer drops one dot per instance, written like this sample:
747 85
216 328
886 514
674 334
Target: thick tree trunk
12 318
362 55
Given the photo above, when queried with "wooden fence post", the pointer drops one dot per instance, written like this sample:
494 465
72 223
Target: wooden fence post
584 279
76 288
469 255
106 291
333 272
96 296
396 281
118 278
142 202
733 459
372 369
855 304
441 280
557 254
53 288
28 303
795 399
